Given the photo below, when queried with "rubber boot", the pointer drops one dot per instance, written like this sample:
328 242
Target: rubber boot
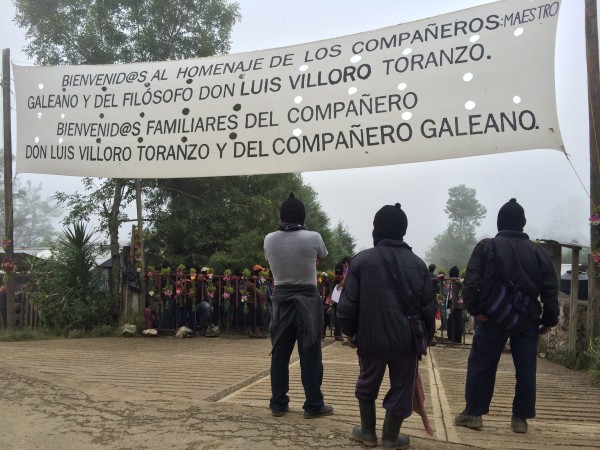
390 437
366 432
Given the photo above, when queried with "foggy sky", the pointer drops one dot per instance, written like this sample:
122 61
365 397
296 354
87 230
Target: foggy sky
543 181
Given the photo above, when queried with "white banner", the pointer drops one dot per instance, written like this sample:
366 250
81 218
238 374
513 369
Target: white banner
473 82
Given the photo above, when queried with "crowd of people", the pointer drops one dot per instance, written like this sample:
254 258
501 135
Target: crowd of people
203 302
455 322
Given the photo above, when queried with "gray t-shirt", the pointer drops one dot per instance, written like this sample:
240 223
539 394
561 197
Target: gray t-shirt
292 256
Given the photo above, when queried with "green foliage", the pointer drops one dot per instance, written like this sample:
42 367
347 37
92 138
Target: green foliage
64 288
594 354
464 211
341 243
454 246
124 31
449 250
570 360
222 221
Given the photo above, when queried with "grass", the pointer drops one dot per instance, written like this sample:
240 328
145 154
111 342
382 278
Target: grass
28 334
570 360
581 361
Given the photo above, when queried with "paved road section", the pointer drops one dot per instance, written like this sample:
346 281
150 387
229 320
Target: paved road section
203 393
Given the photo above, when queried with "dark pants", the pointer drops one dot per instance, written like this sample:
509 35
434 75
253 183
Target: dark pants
266 323
311 368
331 320
455 326
488 342
403 370
336 331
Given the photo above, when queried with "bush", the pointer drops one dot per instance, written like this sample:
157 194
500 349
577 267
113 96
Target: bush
68 295
594 354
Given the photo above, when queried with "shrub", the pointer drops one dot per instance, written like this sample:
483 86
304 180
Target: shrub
68 295
594 354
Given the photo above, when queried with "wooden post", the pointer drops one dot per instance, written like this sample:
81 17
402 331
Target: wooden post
555 252
8 193
593 78
140 231
592 293
574 304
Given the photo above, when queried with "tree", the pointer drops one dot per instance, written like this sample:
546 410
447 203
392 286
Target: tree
121 31
454 246
342 244
33 214
222 221
124 31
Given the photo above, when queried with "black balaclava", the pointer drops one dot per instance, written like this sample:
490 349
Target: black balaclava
511 216
292 211
390 222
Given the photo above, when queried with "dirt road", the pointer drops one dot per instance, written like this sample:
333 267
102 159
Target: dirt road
202 393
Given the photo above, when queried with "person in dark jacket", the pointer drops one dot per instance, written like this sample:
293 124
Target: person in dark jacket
529 267
293 254
371 313
455 324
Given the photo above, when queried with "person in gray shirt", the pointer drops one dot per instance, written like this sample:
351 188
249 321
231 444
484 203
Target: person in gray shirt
293 254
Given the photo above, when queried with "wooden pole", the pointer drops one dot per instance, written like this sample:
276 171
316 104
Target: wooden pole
593 78
8 193
574 303
140 231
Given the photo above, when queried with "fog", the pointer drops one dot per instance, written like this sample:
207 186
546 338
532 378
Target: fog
543 181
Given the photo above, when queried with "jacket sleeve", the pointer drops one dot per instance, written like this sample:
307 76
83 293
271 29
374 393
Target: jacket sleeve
472 283
548 292
348 306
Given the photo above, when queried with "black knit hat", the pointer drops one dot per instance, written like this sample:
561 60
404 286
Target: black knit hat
511 216
390 222
454 272
292 210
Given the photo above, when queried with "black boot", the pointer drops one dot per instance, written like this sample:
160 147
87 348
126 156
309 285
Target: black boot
366 432
390 437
